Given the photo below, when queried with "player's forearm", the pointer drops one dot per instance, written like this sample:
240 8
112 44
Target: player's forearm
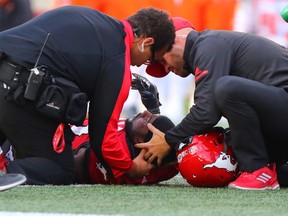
140 167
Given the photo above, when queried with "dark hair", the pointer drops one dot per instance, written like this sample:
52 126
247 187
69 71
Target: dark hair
155 23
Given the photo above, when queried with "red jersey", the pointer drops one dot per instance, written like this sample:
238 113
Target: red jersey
98 174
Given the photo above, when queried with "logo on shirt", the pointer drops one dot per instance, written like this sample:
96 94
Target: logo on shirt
102 170
199 73
144 180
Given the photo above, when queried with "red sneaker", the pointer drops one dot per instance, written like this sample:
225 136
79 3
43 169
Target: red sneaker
3 162
261 179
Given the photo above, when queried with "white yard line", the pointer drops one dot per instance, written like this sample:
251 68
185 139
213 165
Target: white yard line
2 213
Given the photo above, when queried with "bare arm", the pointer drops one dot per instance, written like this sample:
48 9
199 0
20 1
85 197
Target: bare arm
140 166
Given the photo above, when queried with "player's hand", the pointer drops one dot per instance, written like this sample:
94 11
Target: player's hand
140 166
157 147
149 93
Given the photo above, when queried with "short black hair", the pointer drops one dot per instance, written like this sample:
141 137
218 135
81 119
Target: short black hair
155 23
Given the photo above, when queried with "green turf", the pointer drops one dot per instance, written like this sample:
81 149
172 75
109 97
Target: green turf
165 199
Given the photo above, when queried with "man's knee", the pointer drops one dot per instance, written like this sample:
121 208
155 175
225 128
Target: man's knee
227 87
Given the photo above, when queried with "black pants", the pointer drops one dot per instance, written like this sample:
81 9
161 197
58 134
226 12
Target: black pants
282 174
31 133
258 118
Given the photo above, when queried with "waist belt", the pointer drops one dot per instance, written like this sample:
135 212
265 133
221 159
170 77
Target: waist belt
56 97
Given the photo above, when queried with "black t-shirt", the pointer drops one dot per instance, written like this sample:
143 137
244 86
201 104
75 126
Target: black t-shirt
210 55
20 13
90 49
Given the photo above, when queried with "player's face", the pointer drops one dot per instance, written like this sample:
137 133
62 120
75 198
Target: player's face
139 123
143 52
174 63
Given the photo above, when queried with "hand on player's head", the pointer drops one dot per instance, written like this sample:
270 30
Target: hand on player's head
136 126
159 125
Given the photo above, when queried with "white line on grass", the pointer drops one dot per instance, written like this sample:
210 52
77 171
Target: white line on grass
49 214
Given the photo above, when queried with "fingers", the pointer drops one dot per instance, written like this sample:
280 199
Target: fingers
147 155
153 129
156 161
151 159
141 145
151 166
142 153
159 161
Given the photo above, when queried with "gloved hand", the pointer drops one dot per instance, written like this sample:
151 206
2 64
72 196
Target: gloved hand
149 93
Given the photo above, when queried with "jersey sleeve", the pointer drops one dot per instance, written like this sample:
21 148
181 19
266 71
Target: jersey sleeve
111 91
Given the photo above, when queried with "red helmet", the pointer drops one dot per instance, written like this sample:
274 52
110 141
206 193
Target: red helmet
206 161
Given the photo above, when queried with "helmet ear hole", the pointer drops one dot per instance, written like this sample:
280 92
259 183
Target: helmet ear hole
219 140
205 163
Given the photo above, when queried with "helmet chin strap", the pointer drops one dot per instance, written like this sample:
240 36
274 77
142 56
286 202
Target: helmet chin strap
184 143
227 137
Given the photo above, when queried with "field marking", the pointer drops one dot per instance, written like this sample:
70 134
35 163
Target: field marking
2 213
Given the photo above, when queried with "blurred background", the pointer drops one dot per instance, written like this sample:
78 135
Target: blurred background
176 94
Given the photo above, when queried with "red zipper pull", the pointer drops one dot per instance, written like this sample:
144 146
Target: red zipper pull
58 139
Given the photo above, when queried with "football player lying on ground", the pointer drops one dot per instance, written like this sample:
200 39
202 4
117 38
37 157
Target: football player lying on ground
133 130
150 99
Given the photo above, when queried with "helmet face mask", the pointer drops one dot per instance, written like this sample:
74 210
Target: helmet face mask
206 161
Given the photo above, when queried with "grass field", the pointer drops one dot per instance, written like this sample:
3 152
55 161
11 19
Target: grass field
173 197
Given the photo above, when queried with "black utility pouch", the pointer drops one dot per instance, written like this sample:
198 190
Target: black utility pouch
76 109
63 101
52 102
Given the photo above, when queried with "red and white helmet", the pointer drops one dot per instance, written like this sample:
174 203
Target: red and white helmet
206 161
